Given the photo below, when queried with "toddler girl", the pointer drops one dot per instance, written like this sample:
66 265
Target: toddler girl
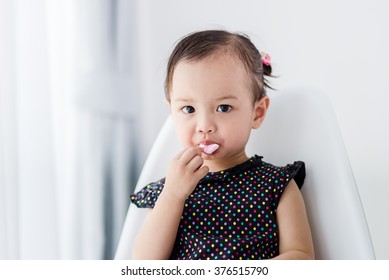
216 202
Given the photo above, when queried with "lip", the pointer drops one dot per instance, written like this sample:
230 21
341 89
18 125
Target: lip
207 142
209 147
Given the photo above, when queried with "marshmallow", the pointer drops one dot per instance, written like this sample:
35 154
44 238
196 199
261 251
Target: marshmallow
209 149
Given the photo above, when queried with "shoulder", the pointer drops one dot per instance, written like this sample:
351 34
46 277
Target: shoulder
148 195
282 174
275 179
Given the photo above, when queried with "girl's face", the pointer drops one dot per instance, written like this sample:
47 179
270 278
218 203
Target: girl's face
211 102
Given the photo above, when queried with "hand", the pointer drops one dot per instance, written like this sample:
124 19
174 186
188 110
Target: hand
185 171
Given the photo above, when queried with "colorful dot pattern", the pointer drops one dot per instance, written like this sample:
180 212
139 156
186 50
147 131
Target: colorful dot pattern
231 214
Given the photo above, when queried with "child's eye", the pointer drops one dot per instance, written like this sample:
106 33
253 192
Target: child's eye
224 108
188 109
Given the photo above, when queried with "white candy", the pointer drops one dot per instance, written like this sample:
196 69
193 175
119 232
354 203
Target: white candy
209 149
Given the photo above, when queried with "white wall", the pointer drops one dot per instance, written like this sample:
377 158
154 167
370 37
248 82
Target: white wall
339 47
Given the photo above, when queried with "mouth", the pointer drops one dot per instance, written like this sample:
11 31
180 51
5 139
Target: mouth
209 149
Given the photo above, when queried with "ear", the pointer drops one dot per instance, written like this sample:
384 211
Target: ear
260 109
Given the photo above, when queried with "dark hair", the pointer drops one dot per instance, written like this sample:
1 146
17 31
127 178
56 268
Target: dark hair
199 45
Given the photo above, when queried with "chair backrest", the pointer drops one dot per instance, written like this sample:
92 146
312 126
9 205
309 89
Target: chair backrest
300 125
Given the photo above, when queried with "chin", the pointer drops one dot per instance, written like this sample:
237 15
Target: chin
206 156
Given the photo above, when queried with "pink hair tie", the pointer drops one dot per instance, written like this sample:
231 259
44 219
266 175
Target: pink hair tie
265 58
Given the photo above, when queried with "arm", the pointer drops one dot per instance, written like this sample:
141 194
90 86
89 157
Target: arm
156 238
294 231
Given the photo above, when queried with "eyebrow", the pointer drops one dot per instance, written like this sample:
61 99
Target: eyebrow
220 98
182 99
227 97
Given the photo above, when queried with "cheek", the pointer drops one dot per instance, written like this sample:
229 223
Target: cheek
184 134
238 130
240 123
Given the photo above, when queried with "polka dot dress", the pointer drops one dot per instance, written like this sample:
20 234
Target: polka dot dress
231 214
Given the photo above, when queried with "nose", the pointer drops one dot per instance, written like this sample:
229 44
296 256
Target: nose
206 124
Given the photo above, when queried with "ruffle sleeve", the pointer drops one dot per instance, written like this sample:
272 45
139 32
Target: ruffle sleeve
296 171
281 176
146 197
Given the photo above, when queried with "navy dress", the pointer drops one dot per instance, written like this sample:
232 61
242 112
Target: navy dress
231 214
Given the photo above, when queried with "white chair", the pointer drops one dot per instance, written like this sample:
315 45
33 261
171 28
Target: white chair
300 125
